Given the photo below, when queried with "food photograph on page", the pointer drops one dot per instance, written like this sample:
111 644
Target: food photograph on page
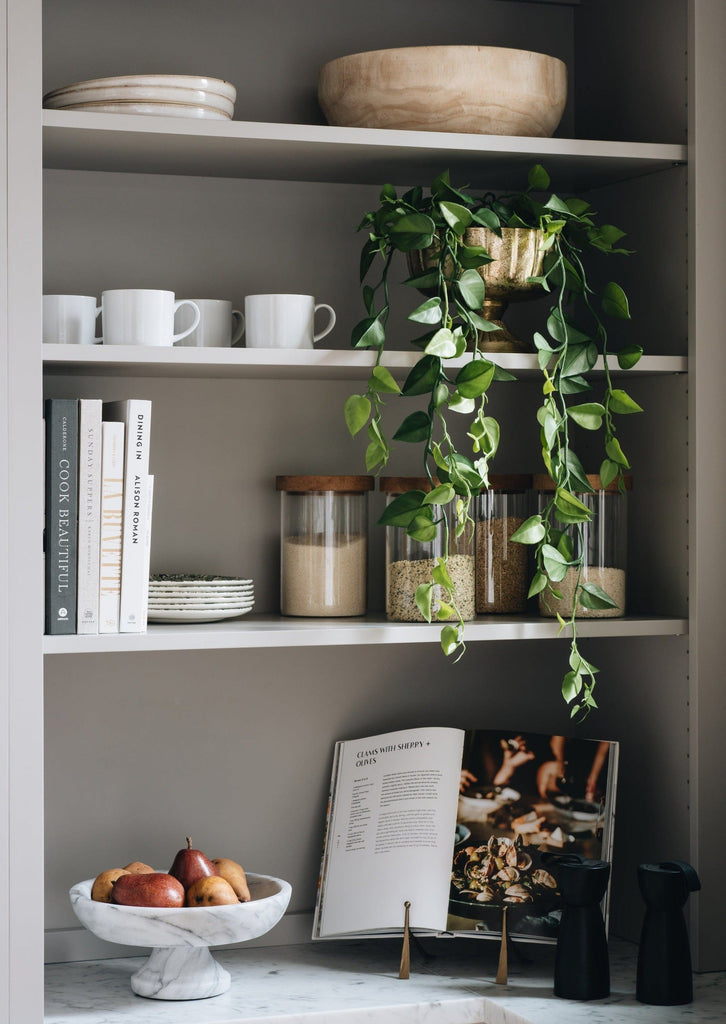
523 799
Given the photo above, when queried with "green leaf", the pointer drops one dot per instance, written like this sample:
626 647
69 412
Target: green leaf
457 403
441 576
414 428
375 456
572 470
382 380
424 597
571 686
472 289
456 216
356 412
538 178
369 333
539 582
368 254
442 344
473 256
588 416
484 433
412 231
608 472
532 531
621 402
423 376
580 358
428 280
629 356
474 378
574 385
592 596
562 329
572 507
446 611
480 323
502 375
487 219
616 453
555 565
577 206
449 639
402 510
440 495
429 312
388 193
422 528
615 301
558 205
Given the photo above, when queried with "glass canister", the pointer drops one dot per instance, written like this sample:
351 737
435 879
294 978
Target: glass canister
324 545
409 562
502 578
604 546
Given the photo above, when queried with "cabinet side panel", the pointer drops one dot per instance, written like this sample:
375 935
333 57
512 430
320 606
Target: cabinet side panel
22 485
630 66
707 304
4 781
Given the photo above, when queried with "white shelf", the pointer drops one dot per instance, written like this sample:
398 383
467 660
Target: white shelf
275 631
78 140
283 364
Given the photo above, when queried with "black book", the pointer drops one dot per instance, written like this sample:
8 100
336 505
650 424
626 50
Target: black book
61 514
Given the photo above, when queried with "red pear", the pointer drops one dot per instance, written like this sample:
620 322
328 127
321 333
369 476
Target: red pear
153 889
190 865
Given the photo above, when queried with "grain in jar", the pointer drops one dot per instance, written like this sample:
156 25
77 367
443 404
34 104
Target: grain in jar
603 543
324 544
501 563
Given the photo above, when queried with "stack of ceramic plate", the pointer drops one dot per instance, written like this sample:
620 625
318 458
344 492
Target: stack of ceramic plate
177 597
168 95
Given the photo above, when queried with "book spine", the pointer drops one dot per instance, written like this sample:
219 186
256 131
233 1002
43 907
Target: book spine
135 413
61 514
147 550
89 513
112 494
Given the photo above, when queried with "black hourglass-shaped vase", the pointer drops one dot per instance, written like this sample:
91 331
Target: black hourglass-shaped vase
582 966
664 960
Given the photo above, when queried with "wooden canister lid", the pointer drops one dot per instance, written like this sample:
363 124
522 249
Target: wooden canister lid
543 482
339 484
510 482
401 484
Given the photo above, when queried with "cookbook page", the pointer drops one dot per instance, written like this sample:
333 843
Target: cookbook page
391 831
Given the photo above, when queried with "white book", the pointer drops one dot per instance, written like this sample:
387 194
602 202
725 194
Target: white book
89 513
147 555
112 504
135 414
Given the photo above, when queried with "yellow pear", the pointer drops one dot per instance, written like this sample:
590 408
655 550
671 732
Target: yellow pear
103 884
233 873
210 891
137 867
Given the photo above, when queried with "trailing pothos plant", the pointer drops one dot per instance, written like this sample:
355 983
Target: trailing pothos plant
574 337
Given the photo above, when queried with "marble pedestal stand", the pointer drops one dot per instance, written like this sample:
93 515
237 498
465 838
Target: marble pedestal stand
180 965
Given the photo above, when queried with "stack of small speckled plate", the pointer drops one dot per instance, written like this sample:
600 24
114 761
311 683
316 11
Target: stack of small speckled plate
167 95
179 597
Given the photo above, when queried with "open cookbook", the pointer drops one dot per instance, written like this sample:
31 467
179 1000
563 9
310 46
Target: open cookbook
456 823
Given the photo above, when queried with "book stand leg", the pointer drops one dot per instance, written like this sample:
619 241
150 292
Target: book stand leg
501 978
404 969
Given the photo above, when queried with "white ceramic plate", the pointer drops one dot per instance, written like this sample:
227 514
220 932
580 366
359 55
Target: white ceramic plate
146 94
197 616
215 85
168 579
181 605
157 109
183 591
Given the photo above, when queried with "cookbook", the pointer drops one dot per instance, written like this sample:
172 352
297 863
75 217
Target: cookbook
456 823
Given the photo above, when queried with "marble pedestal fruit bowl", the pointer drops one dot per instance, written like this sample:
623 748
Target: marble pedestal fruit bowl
490 90
180 965
517 257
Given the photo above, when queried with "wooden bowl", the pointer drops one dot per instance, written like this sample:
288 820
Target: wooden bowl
488 90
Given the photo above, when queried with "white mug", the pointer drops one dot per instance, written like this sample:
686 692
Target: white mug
283 321
142 316
70 320
219 325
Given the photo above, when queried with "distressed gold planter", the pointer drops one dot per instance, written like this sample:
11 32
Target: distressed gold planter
517 257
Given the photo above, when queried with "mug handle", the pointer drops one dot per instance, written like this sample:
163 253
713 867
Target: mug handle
186 302
98 341
331 322
240 328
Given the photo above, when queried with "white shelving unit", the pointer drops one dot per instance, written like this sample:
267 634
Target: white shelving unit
142 733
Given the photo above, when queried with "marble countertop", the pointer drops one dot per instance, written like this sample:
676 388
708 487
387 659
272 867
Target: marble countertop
356 983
